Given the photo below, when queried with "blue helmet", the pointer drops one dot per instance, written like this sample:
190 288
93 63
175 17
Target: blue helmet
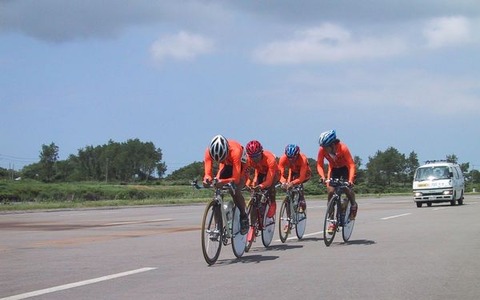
327 138
292 150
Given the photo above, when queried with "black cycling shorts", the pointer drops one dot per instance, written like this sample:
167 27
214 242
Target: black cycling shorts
340 173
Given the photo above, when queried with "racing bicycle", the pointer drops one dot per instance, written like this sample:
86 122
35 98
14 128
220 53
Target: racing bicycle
336 216
260 223
290 217
221 225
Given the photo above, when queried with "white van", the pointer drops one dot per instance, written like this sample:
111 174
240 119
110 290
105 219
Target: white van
438 181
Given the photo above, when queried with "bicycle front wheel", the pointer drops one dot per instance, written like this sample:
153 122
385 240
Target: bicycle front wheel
284 225
239 240
212 232
330 224
347 225
268 227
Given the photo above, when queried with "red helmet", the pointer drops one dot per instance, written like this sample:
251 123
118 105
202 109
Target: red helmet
254 148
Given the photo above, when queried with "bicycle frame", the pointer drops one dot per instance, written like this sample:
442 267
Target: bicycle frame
259 200
257 208
339 187
335 214
220 223
292 218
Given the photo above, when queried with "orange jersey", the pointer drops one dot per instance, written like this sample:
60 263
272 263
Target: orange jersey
266 166
342 158
298 166
236 158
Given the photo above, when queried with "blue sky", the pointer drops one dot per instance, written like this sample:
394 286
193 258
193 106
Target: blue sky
382 73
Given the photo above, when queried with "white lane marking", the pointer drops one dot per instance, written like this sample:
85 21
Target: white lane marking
75 284
397 216
135 222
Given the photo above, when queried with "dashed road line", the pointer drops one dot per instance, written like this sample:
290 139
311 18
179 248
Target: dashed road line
396 216
75 284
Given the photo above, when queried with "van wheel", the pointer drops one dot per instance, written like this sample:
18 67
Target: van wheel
460 200
419 204
429 204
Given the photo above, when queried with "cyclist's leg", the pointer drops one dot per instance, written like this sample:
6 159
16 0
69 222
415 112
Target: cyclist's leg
240 202
302 205
272 194
354 206
343 172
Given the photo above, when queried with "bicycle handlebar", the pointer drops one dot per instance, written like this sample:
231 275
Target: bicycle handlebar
228 186
336 182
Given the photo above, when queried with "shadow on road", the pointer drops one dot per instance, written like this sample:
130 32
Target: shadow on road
359 242
311 239
247 258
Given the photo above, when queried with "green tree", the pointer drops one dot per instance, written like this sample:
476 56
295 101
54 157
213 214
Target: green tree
452 158
411 164
386 167
48 159
187 173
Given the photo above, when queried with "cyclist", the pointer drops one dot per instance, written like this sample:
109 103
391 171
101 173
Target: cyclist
298 171
231 158
266 174
340 165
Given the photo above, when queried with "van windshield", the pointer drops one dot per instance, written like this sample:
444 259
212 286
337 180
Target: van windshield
432 173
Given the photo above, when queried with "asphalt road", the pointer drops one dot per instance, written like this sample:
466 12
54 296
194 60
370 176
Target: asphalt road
396 251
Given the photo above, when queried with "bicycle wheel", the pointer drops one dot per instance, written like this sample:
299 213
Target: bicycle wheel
212 232
347 225
301 223
238 240
330 220
284 224
252 230
268 227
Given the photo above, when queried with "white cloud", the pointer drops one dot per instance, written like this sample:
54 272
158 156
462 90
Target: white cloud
328 43
447 31
183 46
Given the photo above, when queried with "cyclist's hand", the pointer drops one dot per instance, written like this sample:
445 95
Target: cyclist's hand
207 182
321 181
257 188
284 185
350 184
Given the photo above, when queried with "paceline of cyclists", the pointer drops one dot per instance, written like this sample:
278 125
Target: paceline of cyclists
258 168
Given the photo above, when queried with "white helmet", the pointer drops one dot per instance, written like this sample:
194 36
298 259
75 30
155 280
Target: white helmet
218 148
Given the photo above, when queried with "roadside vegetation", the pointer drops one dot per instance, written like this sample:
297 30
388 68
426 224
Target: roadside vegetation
132 173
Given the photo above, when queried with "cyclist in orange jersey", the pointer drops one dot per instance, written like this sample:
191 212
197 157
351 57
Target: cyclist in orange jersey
266 173
231 158
340 165
298 171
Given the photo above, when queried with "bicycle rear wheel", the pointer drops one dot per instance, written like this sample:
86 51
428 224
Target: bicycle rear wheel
301 223
268 227
347 225
212 232
284 225
238 240
329 222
